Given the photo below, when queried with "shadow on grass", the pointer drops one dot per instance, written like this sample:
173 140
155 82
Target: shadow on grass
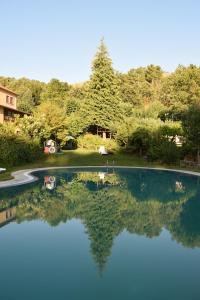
91 158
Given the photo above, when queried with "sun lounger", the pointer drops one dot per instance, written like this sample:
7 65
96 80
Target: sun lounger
102 150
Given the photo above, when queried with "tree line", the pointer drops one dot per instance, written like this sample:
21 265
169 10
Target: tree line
143 109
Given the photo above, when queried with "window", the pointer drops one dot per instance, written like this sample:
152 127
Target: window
9 100
8 115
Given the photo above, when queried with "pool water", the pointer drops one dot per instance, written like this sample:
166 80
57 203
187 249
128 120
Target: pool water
101 234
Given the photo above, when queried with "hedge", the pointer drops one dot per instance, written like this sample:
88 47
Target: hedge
16 150
92 142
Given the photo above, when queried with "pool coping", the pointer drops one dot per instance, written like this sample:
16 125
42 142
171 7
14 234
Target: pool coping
25 176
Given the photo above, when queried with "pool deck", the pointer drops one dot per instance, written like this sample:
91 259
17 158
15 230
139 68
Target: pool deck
25 176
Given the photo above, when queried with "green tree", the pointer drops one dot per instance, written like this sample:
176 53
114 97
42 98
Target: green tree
134 88
181 88
153 73
102 106
28 91
191 127
141 139
47 121
55 91
141 85
26 102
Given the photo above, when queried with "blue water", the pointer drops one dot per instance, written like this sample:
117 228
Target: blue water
101 234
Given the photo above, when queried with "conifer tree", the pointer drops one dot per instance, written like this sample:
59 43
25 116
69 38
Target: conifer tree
103 101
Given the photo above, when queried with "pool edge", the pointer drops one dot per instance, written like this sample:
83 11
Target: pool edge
25 176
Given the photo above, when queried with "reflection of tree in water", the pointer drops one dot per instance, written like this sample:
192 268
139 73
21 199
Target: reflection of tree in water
186 228
102 218
150 217
108 210
98 180
146 185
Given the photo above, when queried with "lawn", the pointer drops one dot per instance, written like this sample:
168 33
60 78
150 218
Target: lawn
85 158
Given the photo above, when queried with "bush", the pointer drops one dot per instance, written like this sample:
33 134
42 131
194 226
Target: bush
15 150
140 140
164 151
170 153
189 151
92 142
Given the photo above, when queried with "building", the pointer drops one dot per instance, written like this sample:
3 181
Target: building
8 105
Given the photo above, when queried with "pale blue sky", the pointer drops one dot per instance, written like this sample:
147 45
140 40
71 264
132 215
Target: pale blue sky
44 39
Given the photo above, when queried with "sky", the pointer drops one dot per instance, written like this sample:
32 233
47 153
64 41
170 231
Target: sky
42 39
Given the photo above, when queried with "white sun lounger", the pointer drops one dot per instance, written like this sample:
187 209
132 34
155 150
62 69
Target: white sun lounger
102 150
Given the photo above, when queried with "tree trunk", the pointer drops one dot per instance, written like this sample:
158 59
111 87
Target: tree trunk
198 155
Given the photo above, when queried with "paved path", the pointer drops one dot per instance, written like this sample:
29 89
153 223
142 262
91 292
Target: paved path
25 176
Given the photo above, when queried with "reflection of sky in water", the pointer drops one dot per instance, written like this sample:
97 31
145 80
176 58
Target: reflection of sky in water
118 233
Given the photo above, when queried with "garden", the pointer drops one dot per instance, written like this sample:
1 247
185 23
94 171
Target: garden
143 117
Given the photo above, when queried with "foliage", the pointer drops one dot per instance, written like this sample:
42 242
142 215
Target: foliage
163 150
29 91
142 108
182 87
140 140
133 87
92 142
55 91
173 113
142 85
26 102
101 107
16 149
76 125
153 73
124 132
31 127
191 127
150 137
47 121
54 117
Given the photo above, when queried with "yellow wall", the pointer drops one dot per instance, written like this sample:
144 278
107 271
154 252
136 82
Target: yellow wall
3 95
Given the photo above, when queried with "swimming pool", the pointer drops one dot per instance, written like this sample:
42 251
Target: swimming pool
101 233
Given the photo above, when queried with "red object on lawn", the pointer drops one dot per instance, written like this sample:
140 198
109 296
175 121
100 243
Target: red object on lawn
46 150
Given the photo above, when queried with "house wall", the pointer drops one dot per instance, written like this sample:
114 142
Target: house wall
11 98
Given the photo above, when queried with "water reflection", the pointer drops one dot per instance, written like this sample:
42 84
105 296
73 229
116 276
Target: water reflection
49 182
7 215
110 201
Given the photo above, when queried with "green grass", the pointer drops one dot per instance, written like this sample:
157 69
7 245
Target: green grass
86 158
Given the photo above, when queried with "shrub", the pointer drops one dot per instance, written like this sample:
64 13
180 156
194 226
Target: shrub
92 142
188 151
170 153
164 151
15 150
141 140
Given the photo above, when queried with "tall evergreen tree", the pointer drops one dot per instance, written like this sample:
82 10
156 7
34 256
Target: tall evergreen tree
102 106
